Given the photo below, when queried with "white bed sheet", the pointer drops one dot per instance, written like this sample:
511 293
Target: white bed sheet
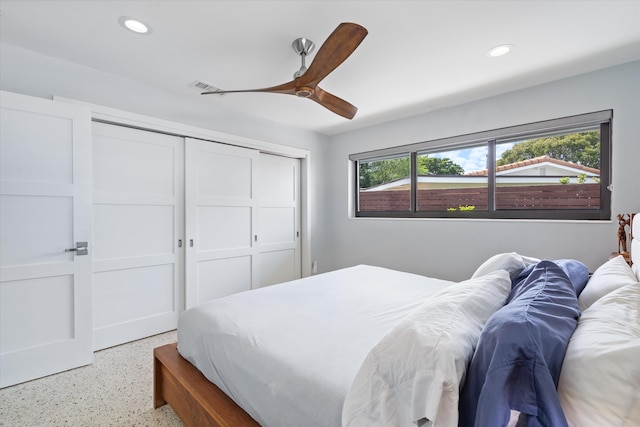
289 362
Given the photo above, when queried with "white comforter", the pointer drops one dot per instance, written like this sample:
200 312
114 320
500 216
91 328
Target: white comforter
287 354
414 374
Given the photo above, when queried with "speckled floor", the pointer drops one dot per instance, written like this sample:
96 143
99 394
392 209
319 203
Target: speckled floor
116 390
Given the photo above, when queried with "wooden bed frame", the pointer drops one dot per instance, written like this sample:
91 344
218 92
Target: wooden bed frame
198 402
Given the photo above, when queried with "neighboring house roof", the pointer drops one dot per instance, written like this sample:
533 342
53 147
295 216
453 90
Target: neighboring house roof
539 170
538 161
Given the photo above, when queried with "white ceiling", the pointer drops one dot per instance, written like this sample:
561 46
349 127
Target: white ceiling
419 55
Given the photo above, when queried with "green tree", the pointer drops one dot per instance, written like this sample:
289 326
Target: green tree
381 171
438 166
582 148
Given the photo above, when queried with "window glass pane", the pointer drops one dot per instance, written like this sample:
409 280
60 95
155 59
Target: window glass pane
453 180
552 172
385 184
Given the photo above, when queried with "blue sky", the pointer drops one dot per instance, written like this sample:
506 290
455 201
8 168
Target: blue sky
472 159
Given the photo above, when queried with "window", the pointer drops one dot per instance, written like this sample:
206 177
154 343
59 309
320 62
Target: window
385 184
445 184
556 169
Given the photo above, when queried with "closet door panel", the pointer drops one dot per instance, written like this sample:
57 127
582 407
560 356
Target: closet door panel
151 227
46 147
138 293
224 173
280 266
221 256
138 223
42 294
222 228
129 166
223 276
277 225
34 238
279 213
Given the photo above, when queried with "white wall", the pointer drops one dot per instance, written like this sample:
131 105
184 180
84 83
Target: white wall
30 73
453 248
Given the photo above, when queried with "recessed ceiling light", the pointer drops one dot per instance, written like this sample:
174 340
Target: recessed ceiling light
501 50
134 25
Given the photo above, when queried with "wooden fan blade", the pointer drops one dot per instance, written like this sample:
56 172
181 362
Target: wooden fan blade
286 88
338 46
333 103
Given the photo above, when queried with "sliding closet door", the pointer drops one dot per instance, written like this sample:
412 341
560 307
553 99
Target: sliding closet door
221 251
279 213
45 238
138 212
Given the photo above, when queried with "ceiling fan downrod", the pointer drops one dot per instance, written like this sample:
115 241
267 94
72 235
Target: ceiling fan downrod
302 47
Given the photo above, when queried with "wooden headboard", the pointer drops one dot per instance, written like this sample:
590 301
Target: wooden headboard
626 246
634 256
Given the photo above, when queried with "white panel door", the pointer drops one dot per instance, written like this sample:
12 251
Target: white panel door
279 216
45 196
138 215
221 224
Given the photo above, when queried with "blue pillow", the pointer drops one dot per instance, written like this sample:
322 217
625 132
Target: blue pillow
577 272
517 362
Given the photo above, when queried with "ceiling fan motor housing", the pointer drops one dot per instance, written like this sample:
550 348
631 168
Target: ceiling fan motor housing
304 91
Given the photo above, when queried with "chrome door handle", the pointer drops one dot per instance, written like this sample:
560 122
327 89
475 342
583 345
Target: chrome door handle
82 248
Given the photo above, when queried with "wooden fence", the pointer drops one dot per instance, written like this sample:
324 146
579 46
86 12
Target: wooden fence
553 196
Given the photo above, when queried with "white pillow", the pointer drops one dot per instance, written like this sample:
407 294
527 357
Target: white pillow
610 276
416 370
512 262
600 374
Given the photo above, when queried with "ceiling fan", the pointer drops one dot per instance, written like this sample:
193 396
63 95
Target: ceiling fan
335 50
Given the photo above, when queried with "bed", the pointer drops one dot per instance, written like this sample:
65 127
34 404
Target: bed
372 346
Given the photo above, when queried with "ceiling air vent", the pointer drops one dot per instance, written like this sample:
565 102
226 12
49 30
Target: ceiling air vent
202 86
